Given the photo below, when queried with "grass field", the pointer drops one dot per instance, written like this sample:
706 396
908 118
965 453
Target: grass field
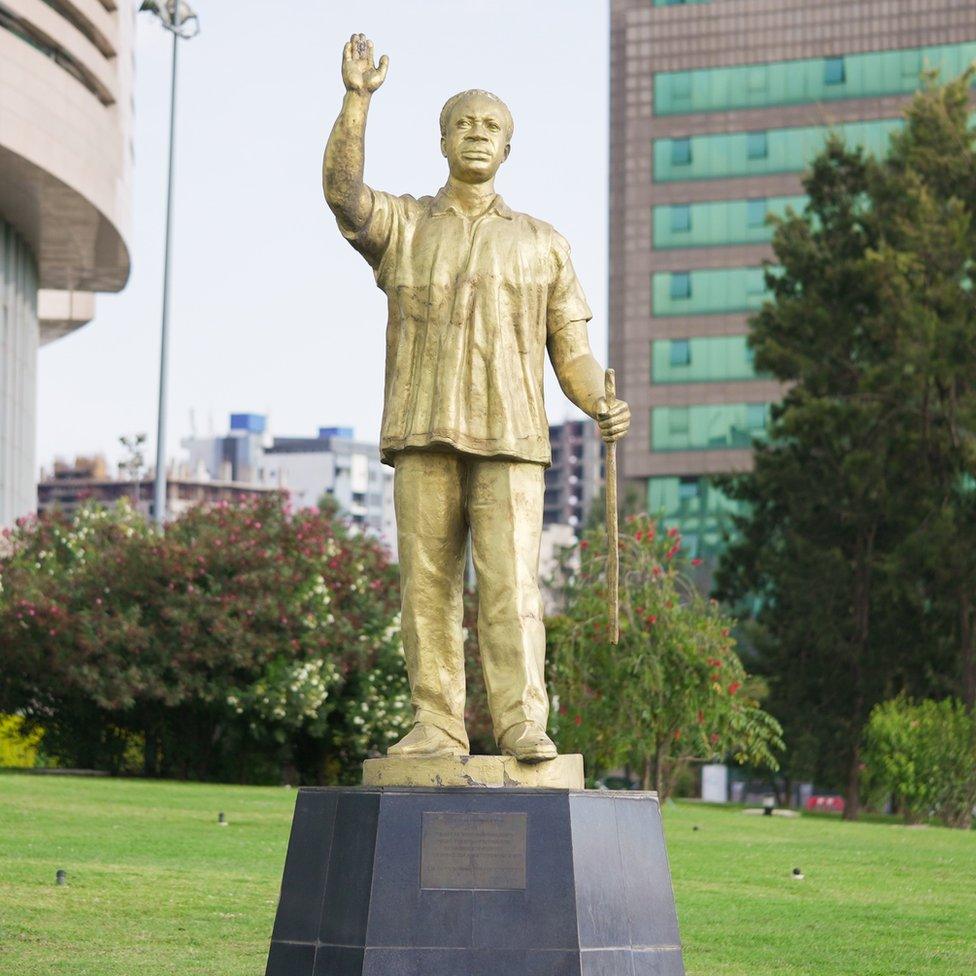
156 887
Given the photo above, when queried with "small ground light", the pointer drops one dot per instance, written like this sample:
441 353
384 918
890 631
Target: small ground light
769 804
61 877
797 874
221 819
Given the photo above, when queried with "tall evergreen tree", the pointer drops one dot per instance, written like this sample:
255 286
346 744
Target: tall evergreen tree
854 544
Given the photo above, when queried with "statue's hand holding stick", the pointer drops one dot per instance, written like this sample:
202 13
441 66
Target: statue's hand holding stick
613 417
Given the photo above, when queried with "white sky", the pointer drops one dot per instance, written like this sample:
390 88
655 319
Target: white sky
272 311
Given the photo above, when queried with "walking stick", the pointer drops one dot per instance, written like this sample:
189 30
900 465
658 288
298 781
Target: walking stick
613 554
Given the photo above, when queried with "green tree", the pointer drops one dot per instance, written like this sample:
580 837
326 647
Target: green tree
923 756
673 691
926 203
867 455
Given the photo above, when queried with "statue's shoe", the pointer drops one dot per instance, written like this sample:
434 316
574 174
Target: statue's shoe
425 742
528 743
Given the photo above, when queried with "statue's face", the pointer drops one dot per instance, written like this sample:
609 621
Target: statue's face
476 143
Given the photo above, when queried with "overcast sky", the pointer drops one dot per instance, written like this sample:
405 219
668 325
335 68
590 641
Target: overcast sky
272 311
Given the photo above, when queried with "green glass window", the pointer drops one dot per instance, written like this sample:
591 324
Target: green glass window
708 291
680 218
868 75
707 427
680 152
688 488
756 211
834 71
757 146
756 416
679 422
679 285
787 150
702 359
756 282
679 352
696 508
719 221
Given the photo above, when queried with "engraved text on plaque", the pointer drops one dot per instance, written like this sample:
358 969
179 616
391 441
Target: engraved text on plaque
472 851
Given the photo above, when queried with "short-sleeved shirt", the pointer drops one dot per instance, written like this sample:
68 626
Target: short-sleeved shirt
472 303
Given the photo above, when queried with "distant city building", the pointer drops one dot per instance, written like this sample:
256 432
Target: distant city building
236 456
72 485
575 477
65 197
334 464
716 109
306 468
557 538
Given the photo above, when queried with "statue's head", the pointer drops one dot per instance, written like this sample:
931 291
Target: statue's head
476 135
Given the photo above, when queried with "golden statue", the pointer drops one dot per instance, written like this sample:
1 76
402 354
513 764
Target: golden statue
477 293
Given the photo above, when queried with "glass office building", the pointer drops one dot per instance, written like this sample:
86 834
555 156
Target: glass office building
716 109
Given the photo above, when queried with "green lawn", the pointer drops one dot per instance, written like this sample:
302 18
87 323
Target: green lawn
156 887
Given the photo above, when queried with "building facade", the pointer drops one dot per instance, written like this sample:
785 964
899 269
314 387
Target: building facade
716 108
347 470
65 196
71 486
575 477
305 468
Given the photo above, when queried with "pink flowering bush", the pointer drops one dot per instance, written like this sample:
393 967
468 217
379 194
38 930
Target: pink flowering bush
673 691
241 642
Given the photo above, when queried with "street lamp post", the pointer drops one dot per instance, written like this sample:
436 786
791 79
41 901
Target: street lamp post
180 20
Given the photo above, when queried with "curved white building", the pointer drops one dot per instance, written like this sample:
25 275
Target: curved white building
65 196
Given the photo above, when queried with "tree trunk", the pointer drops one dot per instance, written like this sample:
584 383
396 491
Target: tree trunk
647 779
150 755
861 607
967 641
852 801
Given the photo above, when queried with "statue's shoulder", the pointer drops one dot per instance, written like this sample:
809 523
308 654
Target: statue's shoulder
538 227
545 234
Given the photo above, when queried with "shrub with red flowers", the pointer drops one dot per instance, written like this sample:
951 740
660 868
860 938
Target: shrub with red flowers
673 691
243 642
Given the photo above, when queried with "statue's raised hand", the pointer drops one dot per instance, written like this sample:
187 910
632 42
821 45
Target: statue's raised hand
359 74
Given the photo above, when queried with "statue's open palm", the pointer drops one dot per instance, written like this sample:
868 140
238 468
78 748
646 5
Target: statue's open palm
359 74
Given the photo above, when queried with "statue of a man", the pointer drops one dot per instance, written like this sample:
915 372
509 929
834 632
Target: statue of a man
477 294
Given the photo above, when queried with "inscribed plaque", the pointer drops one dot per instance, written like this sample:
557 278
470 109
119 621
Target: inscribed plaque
473 851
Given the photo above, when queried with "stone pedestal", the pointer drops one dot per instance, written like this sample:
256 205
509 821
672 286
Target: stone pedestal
404 881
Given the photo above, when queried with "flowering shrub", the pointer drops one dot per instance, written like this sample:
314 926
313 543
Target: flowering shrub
673 690
240 640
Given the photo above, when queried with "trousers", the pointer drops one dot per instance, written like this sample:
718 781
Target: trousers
439 497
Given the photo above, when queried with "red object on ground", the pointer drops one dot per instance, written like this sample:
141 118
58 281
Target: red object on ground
826 804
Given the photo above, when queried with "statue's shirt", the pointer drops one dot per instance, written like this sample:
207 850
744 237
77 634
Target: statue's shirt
472 303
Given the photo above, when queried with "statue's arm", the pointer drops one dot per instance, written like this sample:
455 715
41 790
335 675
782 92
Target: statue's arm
582 380
342 166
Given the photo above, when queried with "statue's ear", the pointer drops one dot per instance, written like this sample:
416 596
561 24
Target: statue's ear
443 147
508 149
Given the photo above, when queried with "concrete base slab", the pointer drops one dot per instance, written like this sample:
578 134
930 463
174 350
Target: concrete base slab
563 772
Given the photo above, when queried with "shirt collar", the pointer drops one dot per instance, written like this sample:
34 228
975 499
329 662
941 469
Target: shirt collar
444 203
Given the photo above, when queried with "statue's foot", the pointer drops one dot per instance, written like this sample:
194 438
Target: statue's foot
425 742
528 743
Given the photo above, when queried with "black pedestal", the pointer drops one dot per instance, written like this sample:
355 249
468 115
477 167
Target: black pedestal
475 882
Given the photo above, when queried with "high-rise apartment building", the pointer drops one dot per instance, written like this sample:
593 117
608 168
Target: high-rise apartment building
717 107
575 477
65 196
